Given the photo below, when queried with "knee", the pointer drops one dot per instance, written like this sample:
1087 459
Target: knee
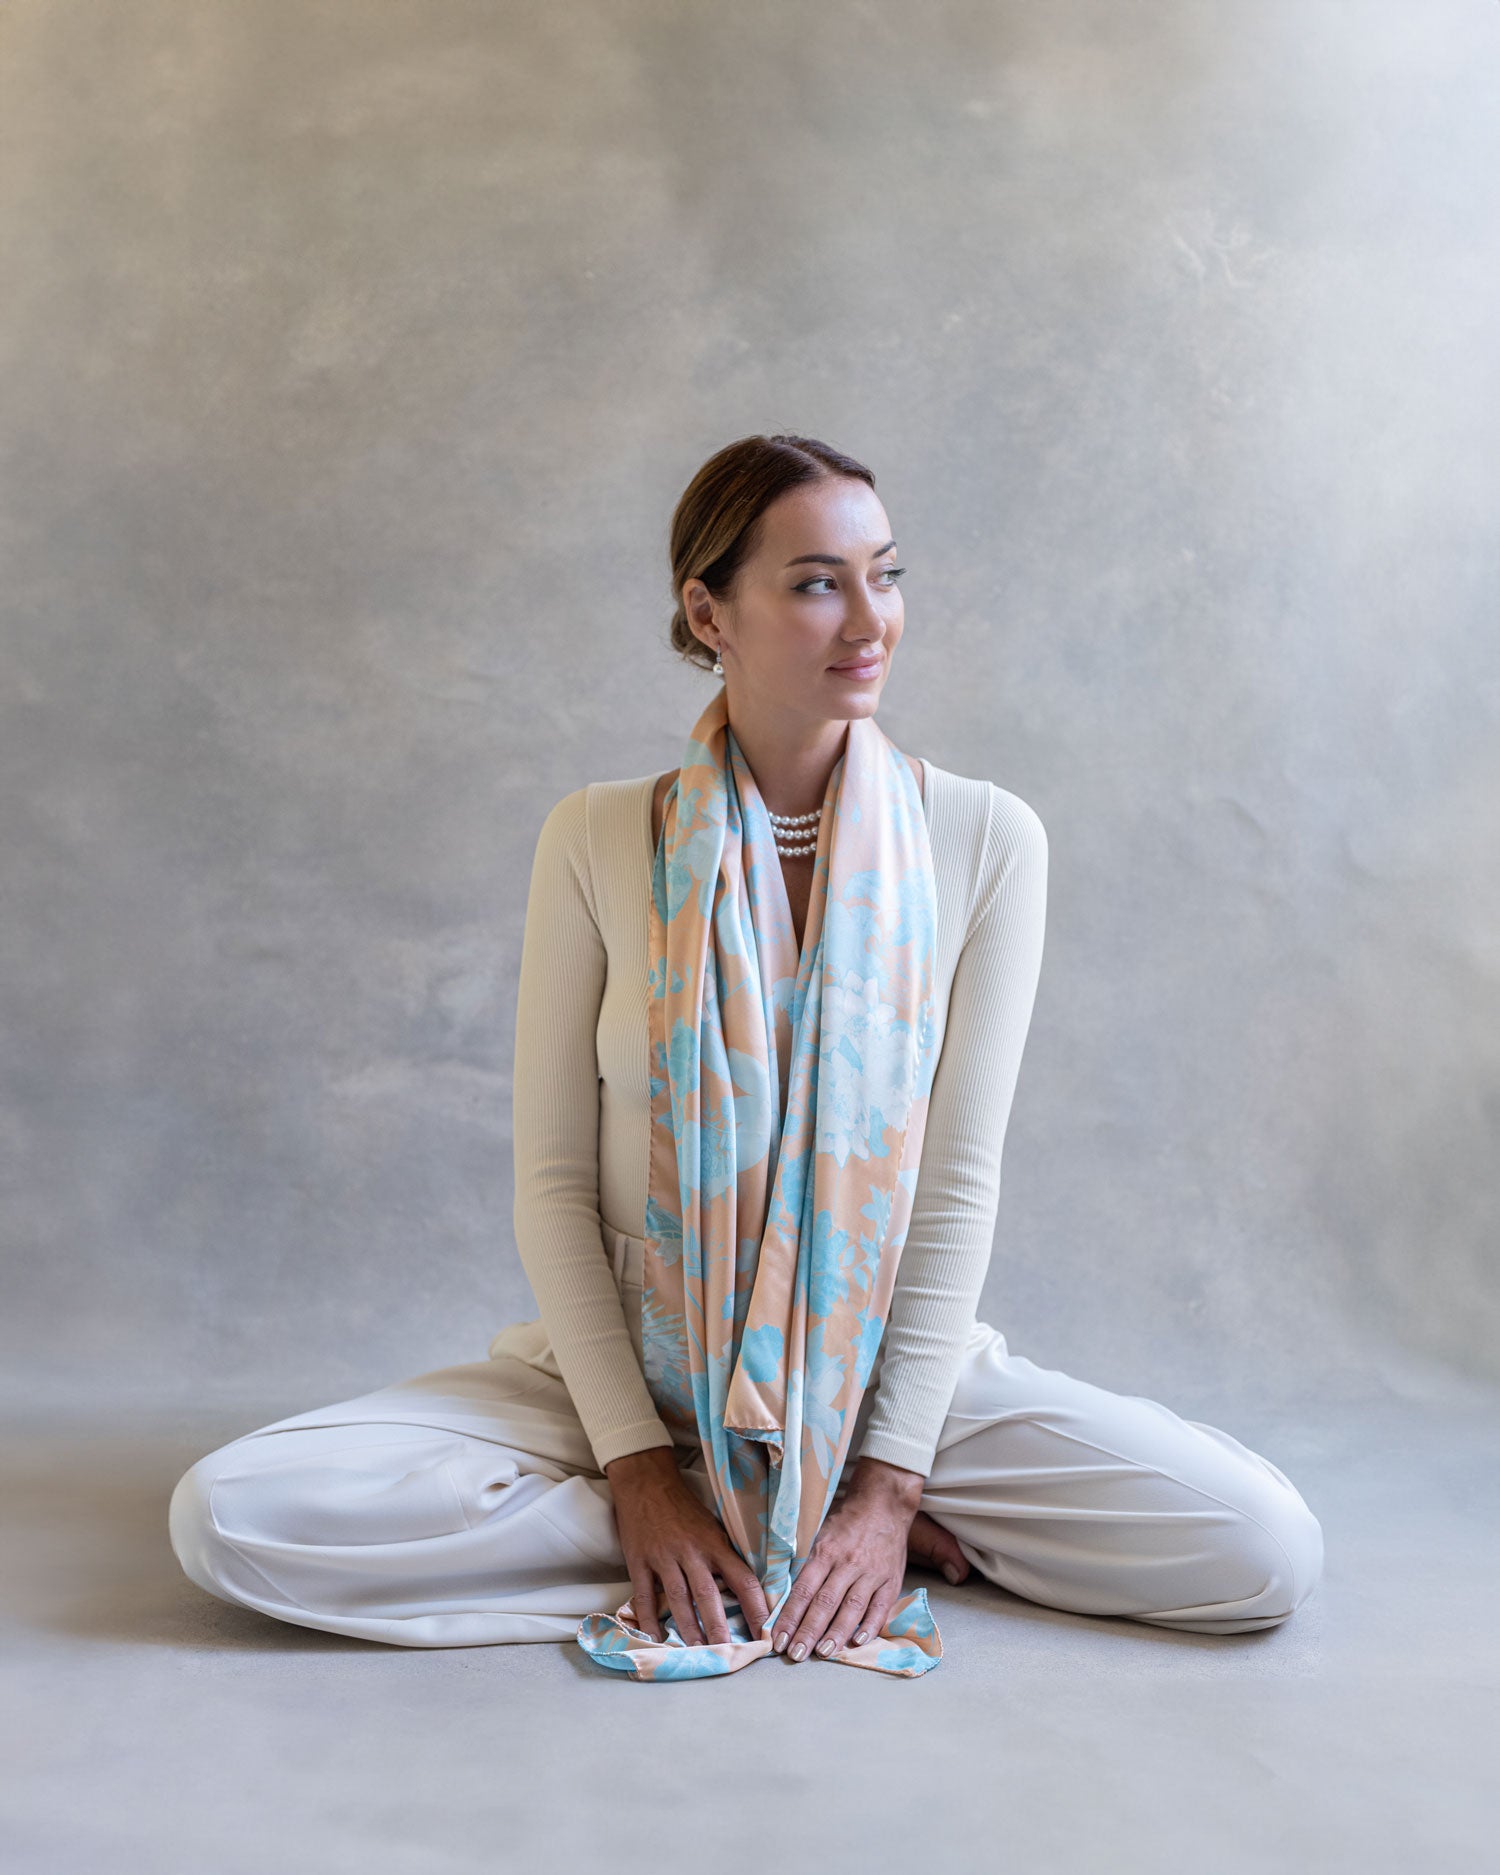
1272 1558
196 1538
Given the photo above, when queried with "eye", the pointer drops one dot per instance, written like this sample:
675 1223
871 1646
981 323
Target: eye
827 579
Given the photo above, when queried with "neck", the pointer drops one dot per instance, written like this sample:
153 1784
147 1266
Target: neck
791 761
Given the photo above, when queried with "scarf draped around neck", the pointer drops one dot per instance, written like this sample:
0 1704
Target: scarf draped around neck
789 1095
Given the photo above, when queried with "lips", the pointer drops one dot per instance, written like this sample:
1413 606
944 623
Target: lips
857 664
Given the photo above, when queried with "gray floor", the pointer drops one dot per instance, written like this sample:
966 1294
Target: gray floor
152 1728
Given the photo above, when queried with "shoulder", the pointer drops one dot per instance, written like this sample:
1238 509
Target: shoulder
564 829
598 819
987 833
1016 825
965 804
593 805
560 862
586 842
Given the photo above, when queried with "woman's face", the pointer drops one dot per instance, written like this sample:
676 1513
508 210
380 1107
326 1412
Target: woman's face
819 592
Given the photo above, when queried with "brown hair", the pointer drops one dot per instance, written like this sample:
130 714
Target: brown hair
715 524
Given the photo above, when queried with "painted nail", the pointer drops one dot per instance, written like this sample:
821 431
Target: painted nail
826 1645
861 1636
799 1650
781 1641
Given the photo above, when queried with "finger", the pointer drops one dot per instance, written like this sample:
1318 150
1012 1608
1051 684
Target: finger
795 1605
846 1617
749 1593
679 1596
950 1557
873 1619
643 1601
706 1594
821 1609
733 1573
933 1546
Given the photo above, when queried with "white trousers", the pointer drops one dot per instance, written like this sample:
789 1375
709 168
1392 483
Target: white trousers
463 1507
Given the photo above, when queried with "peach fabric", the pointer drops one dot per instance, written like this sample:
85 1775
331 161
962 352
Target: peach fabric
789 1096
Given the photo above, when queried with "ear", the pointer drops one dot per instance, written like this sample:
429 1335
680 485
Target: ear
699 606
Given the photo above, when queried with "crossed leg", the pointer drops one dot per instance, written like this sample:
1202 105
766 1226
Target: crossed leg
1110 1504
459 1508
463 1508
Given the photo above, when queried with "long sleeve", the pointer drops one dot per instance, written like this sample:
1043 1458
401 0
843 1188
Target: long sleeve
952 1229
559 1232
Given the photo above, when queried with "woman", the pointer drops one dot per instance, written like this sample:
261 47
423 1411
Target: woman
694 1420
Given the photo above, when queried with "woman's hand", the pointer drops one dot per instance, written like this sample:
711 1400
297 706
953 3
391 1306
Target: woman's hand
853 1574
930 1544
668 1536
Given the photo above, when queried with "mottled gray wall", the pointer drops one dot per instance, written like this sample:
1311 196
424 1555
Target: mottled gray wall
353 357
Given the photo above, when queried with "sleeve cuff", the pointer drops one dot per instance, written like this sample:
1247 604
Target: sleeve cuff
895 1450
621 1441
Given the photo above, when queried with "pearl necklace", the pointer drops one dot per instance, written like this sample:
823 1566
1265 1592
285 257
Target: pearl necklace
800 831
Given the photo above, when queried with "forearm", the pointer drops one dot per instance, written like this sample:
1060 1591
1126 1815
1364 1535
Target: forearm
928 1326
555 1128
896 1484
562 1248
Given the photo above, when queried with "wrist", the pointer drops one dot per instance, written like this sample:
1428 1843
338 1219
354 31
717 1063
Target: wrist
653 1461
895 1484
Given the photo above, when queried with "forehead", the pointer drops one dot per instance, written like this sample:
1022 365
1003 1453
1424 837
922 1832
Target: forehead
838 514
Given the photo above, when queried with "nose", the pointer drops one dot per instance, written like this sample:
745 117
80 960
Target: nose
865 613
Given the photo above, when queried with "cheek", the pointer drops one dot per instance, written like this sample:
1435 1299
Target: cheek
780 628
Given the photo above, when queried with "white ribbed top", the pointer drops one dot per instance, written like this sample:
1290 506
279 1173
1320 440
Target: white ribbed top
582 1110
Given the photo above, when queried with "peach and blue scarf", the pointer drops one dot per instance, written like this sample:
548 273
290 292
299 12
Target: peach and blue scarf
789 1096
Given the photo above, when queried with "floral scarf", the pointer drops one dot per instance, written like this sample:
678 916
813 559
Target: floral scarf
789 1098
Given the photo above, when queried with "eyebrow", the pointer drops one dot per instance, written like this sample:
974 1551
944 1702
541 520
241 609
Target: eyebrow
832 559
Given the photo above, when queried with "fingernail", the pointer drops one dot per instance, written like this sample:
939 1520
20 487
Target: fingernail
861 1637
781 1641
799 1650
951 1571
826 1646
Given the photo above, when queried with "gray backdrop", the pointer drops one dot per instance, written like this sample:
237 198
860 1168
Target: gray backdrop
353 360
352 356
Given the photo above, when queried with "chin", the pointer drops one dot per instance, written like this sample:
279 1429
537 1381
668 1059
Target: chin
857 702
